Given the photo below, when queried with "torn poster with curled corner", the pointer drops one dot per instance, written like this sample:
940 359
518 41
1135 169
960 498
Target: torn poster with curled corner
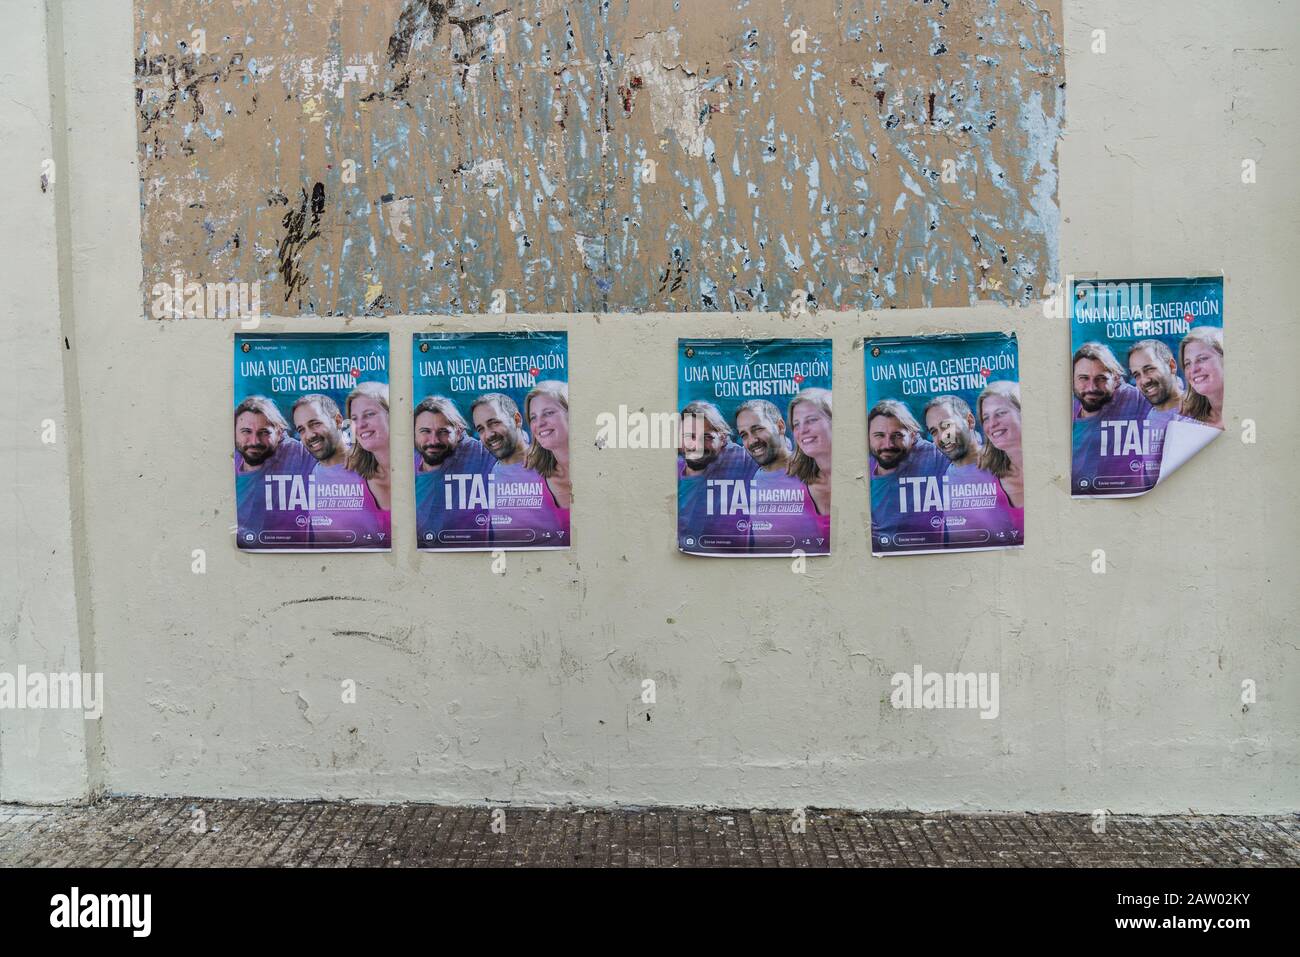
1147 378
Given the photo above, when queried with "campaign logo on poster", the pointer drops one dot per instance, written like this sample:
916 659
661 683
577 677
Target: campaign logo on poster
1146 373
754 463
491 450
943 441
312 464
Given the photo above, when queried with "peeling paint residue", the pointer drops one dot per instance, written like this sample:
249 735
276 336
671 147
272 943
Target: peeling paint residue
412 156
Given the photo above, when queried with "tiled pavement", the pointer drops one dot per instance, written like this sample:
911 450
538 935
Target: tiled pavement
163 832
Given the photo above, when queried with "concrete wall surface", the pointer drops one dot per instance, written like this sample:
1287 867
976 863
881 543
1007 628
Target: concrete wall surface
45 755
1120 690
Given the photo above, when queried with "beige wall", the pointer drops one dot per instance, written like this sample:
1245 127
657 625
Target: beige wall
43 754
1119 691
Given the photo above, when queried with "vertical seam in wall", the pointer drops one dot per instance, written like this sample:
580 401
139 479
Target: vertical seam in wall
93 741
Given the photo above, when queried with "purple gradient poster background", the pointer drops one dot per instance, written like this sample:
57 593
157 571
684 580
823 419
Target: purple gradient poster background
754 462
943 443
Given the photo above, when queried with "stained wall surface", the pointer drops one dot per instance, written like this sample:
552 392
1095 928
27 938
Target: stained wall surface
414 156
43 753
1119 690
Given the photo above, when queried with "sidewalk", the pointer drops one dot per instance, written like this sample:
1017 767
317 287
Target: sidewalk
161 832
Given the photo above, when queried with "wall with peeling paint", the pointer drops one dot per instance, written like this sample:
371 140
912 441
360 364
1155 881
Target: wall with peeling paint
1118 691
411 156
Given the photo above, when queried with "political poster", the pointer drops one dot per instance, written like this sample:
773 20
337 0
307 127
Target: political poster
1146 373
312 466
754 457
944 444
491 454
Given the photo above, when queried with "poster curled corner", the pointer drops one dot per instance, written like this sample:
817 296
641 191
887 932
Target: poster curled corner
1147 380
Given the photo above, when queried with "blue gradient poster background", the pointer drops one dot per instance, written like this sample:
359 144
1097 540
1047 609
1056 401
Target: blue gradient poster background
1138 412
491 454
943 443
308 475
753 466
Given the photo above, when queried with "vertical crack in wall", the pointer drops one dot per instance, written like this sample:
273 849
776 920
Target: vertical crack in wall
72 389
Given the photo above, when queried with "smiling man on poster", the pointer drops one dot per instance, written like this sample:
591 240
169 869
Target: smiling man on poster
443 442
319 425
1129 436
957 482
492 441
296 496
768 492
